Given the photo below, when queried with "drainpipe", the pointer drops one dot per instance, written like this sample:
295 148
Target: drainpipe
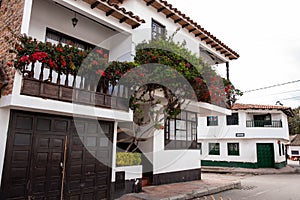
3 77
227 70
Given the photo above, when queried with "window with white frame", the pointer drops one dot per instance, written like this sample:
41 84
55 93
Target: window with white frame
158 30
233 149
212 120
181 132
295 152
56 37
232 119
214 148
199 146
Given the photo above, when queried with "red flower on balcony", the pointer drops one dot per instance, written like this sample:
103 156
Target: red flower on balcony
51 63
39 56
95 62
100 72
99 51
59 49
25 59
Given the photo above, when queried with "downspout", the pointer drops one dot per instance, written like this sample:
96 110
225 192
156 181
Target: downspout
227 70
228 102
3 77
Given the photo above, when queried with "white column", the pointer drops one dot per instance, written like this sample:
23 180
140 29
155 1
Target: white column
26 16
4 116
114 152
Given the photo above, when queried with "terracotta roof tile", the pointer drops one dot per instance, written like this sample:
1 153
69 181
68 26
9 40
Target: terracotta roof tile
120 12
295 141
238 106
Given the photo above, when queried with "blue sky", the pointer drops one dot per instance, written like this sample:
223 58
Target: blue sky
266 34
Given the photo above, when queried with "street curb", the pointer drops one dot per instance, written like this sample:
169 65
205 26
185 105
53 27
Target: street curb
247 171
195 194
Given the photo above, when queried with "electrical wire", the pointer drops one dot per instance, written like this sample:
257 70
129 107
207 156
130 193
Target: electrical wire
272 86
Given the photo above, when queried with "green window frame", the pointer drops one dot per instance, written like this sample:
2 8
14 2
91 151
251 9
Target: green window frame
233 149
214 148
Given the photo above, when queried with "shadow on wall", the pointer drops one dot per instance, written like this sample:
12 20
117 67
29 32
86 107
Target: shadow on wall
3 77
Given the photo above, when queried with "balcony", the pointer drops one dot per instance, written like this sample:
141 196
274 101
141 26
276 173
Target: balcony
264 123
83 88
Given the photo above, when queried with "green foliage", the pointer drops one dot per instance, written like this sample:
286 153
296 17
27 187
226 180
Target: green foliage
294 122
63 59
155 62
128 159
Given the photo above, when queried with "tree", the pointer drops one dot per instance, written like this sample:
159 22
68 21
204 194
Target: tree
294 122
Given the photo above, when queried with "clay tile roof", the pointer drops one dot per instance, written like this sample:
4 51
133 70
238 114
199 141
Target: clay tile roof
190 25
287 110
117 12
295 141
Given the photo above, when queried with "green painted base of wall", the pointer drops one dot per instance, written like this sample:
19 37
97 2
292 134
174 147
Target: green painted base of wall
280 165
228 164
237 164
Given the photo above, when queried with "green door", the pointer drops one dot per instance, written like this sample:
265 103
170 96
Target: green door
265 155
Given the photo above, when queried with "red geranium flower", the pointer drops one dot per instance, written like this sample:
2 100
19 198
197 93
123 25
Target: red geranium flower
95 62
24 59
99 51
59 49
51 62
100 72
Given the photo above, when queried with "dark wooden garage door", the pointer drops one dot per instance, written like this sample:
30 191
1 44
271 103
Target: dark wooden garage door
34 160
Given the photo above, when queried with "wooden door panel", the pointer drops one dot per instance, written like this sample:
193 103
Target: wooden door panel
46 165
35 150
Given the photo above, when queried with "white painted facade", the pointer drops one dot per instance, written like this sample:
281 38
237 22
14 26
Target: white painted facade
293 148
39 15
247 137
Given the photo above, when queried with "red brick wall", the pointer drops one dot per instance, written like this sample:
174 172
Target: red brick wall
11 12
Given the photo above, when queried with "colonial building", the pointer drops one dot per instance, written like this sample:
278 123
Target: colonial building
58 133
253 136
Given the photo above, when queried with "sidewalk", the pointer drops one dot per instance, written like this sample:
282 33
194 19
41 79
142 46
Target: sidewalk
214 180
259 171
210 184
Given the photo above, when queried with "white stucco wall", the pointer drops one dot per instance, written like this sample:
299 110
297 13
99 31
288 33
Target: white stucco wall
48 14
172 160
144 31
224 134
4 122
131 172
247 150
293 148
223 131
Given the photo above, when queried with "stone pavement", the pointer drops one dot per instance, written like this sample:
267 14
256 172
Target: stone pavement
218 179
259 171
210 184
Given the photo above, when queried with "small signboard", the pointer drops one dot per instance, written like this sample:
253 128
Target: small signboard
240 135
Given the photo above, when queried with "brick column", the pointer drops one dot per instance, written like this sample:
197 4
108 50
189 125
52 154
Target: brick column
11 12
